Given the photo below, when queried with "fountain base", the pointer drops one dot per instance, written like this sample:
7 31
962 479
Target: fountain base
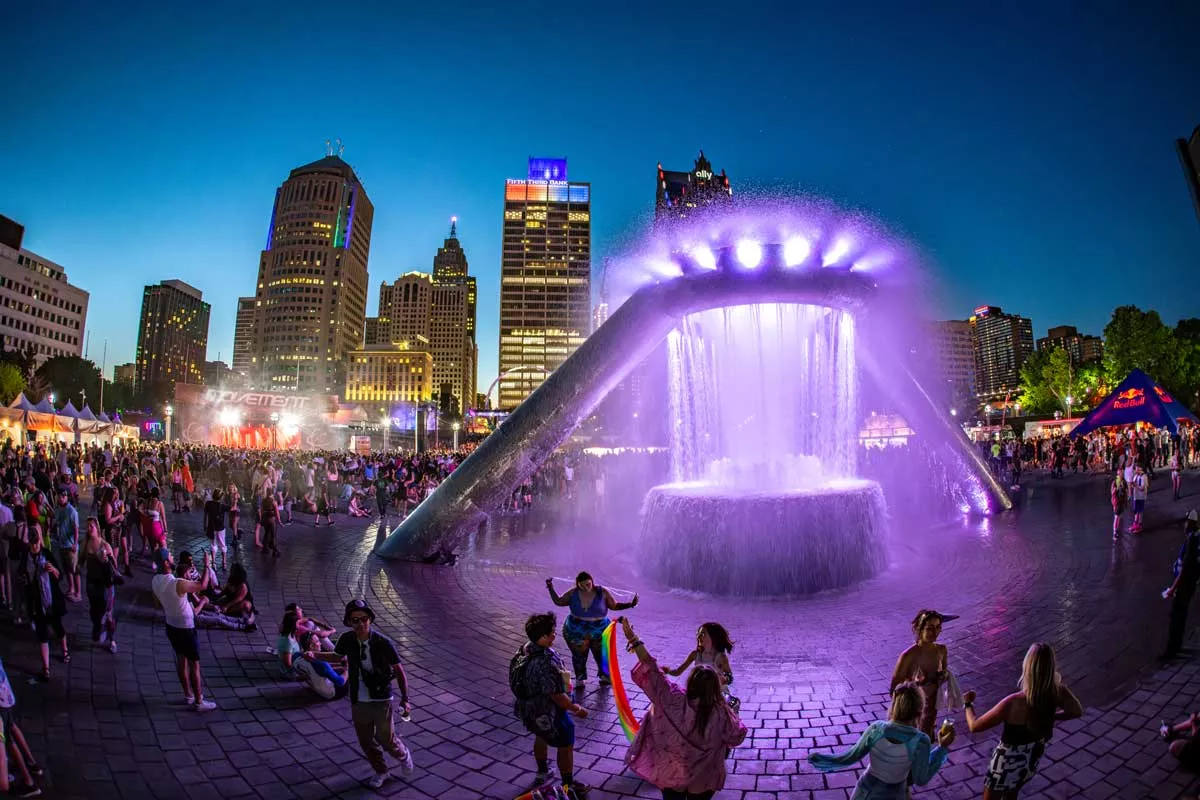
698 536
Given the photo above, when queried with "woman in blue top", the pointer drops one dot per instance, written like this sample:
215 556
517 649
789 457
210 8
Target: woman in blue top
589 606
897 749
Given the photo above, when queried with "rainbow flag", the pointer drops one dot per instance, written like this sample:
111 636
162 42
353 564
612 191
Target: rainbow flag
608 649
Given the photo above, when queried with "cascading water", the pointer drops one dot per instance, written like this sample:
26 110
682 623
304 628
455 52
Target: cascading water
764 456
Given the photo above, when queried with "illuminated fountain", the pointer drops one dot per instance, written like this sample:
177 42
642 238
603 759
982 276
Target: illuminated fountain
771 312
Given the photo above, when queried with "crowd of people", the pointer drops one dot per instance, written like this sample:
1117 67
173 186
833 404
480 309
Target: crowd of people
52 560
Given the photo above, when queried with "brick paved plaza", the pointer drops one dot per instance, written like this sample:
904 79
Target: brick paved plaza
811 672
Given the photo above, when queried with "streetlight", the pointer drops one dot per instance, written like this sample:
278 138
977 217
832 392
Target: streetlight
170 411
988 411
274 430
455 426
954 412
1069 401
386 423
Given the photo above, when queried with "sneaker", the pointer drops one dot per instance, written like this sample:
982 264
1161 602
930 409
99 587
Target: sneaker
542 778
34 768
377 780
21 790
204 705
575 789
112 647
1165 731
605 680
189 699
407 766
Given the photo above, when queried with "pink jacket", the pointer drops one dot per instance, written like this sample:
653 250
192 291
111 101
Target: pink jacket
669 751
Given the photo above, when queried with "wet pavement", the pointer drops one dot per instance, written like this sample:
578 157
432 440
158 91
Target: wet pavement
811 672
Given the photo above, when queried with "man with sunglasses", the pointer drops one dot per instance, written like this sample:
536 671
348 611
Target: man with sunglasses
374 664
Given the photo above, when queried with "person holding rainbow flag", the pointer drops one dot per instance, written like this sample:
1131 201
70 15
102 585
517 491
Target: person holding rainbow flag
683 740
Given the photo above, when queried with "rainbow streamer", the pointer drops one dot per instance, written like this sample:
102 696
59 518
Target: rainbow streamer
608 651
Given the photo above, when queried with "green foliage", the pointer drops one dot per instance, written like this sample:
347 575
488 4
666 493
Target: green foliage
12 382
1048 378
68 377
1136 339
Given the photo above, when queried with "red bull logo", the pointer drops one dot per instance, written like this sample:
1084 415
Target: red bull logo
1130 398
1166 398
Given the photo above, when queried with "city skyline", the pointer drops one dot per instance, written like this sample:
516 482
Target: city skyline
993 217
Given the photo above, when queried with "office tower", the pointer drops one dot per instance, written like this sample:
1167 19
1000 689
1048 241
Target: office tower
312 280
599 315
682 193
172 337
217 373
125 373
39 309
1081 348
376 330
1189 159
243 338
954 352
545 276
1002 342
405 308
450 269
388 374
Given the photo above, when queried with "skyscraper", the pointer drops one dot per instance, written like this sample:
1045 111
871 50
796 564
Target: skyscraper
40 311
405 309
545 276
172 337
1189 158
243 338
1002 343
682 193
450 269
312 279
954 351
1081 348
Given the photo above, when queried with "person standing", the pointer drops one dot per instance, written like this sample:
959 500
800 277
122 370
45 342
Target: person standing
171 591
374 664
1183 589
66 543
925 664
1118 494
1139 488
541 684
40 574
214 525
102 576
586 622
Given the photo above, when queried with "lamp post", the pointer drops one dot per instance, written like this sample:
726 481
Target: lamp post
455 427
386 423
170 411
988 411
274 430
1069 401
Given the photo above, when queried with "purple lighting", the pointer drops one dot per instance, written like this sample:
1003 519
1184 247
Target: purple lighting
796 251
547 169
749 253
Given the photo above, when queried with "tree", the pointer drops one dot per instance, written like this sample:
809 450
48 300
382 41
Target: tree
1049 377
1136 339
12 382
1036 397
23 360
69 377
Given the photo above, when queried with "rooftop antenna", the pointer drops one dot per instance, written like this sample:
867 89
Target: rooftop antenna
341 148
328 148
454 227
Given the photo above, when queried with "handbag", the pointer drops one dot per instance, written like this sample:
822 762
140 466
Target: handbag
949 694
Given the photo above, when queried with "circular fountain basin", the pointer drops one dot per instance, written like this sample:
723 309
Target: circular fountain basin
711 539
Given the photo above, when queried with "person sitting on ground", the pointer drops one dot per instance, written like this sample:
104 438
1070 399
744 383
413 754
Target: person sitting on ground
897 749
301 662
306 625
1183 741
355 508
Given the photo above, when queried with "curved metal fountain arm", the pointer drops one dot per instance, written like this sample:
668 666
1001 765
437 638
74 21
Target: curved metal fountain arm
548 416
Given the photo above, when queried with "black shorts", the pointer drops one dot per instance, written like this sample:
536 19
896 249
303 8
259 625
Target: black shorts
184 642
561 735
43 624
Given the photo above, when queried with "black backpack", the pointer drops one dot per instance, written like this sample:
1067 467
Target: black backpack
516 674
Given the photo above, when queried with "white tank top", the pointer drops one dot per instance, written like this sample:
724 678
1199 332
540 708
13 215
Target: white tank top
176 606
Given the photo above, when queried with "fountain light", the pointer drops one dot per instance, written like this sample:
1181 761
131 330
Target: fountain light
749 253
703 257
796 251
834 255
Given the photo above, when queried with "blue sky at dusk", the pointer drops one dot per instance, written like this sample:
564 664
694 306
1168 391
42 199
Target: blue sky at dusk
1026 148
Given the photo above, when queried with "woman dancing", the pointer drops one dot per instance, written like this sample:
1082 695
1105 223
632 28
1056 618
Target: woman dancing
1028 717
925 664
589 606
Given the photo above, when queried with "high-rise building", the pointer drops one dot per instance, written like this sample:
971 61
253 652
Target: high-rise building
389 373
1002 342
217 373
682 193
545 276
125 373
39 309
1189 159
405 308
376 330
450 269
1081 348
172 336
955 359
243 338
312 279
599 315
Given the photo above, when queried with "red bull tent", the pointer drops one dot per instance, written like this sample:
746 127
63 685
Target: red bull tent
1137 399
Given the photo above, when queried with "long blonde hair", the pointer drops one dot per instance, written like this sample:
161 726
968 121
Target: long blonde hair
908 700
1039 684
